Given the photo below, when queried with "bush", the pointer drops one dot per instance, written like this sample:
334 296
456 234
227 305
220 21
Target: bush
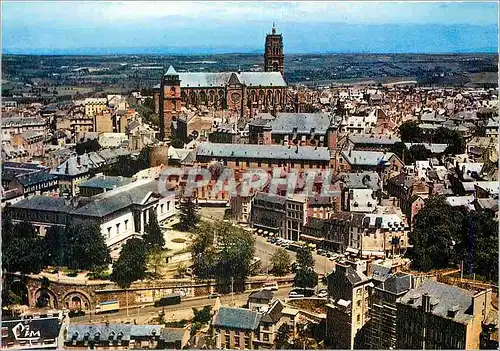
72 274
177 324
178 240
98 275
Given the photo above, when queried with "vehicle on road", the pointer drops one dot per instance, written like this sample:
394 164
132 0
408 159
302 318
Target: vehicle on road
294 294
322 293
107 307
172 299
213 295
306 292
272 286
76 313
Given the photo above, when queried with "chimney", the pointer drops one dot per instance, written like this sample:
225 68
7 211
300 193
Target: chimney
426 302
78 160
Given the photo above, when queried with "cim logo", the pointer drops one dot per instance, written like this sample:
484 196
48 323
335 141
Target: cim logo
22 332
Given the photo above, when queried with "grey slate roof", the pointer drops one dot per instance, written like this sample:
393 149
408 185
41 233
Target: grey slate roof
221 79
35 178
370 139
96 206
171 335
105 182
446 296
362 180
366 158
237 318
45 203
264 152
105 331
397 283
285 122
115 200
274 313
262 294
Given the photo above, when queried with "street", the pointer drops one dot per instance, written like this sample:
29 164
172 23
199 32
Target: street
174 312
264 250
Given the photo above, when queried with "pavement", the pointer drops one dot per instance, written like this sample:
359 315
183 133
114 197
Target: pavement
142 314
265 250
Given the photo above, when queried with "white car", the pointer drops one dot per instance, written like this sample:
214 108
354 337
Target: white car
322 294
294 294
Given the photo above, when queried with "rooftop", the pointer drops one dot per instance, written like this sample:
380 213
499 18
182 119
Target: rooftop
264 152
105 182
444 297
237 318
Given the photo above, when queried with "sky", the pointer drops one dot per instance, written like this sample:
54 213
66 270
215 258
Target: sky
93 27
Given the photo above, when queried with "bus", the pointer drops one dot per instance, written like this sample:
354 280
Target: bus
172 299
107 306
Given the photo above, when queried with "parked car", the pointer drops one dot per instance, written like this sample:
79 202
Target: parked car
213 295
294 294
322 293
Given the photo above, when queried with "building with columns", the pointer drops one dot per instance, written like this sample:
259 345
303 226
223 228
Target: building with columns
121 213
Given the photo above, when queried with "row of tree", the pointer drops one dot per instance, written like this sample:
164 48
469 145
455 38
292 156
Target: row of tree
410 132
79 246
223 252
447 236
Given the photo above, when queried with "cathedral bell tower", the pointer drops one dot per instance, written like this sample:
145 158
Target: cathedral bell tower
274 59
170 102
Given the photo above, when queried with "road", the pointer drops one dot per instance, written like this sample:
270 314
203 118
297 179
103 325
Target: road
264 250
182 311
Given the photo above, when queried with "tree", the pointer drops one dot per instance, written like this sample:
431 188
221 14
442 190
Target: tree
131 265
203 251
24 252
153 237
401 151
224 252
7 228
201 317
156 262
87 248
305 276
410 132
188 216
54 244
181 269
436 230
87 146
477 245
281 262
282 341
305 258
456 142
235 254
418 152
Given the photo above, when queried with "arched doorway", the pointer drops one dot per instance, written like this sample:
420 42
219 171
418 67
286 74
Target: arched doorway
45 298
76 300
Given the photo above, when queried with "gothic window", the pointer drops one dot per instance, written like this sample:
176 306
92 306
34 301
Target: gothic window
275 66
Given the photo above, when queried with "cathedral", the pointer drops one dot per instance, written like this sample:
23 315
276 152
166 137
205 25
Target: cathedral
243 93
